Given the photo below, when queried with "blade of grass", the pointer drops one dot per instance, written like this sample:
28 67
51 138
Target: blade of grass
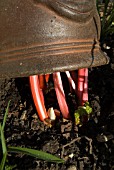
2 138
5 116
110 30
4 148
106 6
105 12
97 5
2 164
35 153
111 18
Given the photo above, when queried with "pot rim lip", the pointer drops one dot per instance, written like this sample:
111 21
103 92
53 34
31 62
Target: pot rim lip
25 67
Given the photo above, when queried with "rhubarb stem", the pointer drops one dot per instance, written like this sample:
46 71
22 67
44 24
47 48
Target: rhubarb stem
81 77
38 97
60 95
71 81
42 81
85 91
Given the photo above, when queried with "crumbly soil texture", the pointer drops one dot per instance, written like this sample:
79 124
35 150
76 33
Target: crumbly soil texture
89 147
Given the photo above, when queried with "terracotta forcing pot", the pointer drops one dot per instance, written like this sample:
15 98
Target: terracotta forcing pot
46 36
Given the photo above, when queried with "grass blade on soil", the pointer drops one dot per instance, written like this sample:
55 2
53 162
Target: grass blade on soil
35 153
4 148
5 116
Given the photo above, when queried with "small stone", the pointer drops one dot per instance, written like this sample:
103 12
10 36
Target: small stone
112 66
72 167
104 137
35 116
71 155
24 116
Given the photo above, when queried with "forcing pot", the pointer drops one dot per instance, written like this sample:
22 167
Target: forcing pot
46 36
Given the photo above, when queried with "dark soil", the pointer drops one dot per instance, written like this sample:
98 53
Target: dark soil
90 147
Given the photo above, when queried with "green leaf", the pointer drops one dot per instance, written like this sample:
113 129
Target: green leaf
35 153
4 148
82 114
10 167
106 12
2 164
110 19
88 108
2 138
106 6
5 116
97 5
77 118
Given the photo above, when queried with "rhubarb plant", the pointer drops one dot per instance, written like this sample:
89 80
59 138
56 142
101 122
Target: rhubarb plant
82 114
78 84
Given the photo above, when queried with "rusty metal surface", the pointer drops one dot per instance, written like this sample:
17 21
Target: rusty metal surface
44 36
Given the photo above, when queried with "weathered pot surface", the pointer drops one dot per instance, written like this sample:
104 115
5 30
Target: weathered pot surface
45 36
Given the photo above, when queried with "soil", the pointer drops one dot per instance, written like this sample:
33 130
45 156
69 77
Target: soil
89 147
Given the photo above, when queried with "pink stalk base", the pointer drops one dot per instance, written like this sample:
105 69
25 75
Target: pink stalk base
71 81
42 83
47 76
85 90
82 86
81 74
60 95
38 97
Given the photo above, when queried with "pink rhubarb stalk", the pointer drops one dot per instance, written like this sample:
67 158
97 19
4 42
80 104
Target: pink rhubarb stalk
47 76
38 97
82 91
71 81
81 77
85 90
60 95
42 82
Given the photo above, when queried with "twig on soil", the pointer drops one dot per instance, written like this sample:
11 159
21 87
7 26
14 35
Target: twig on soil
78 139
